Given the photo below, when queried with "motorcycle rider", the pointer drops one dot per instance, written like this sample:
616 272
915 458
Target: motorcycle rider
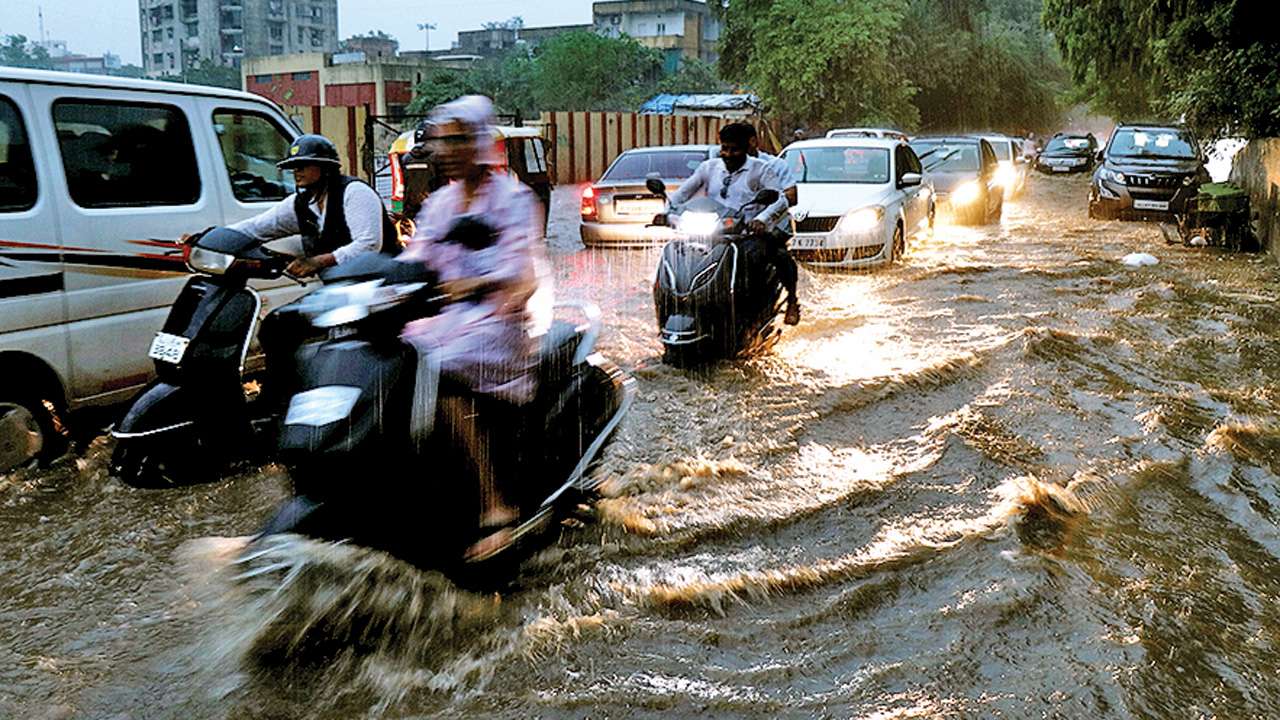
733 179
482 234
780 234
332 233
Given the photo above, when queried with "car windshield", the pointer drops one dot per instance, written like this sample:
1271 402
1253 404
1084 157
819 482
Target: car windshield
948 157
1067 144
670 165
839 164
1003 148
1152 143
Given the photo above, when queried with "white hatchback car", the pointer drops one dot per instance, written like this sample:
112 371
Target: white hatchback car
859 200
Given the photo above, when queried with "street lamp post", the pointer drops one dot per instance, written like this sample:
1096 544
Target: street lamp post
427 28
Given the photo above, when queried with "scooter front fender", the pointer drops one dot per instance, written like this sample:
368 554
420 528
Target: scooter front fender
160 408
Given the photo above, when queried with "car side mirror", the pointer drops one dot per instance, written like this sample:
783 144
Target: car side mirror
653 183
910 179
1098 156
767 196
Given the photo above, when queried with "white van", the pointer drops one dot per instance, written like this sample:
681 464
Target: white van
99 178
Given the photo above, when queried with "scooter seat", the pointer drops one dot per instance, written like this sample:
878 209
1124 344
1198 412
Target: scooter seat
555 357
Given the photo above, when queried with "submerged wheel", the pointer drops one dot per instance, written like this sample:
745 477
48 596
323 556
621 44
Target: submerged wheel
29 433
899 245
933 214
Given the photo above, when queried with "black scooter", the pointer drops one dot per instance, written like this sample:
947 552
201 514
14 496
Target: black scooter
358 438
713 299
193 420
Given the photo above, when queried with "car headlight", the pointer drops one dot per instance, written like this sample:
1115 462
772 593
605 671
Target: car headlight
322 406
862 220
965 194
1114 176
698 223
209 261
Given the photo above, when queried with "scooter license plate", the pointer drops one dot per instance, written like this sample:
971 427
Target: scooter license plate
807 243
169 348
1150 205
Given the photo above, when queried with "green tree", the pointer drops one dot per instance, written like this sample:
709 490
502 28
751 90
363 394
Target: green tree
208 72
938 64
820 61
694 76
440 86
17 51
583 71
1210 62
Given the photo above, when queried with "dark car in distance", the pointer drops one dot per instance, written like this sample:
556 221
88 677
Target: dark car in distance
1147 172
965 175
1068 153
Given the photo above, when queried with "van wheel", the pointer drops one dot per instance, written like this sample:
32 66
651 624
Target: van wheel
29 433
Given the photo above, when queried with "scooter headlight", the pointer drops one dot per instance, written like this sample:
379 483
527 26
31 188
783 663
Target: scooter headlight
322 406
209 261
699 224
965 194
860 221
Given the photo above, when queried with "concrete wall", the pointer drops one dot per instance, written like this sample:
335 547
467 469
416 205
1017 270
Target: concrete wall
1257 169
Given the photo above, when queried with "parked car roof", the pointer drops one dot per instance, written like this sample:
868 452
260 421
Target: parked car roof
888 143
947 138
865 132
673 148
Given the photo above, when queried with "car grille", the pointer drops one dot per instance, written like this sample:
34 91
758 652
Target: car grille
1152 181
830 255
817 224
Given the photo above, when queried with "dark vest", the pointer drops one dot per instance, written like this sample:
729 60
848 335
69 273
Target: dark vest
318 240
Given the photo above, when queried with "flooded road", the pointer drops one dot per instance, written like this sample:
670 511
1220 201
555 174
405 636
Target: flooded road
1010 477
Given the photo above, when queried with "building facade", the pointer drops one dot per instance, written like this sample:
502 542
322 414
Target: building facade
681 29
384 85
177 35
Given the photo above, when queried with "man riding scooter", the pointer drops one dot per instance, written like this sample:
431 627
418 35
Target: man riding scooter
733 179
332 233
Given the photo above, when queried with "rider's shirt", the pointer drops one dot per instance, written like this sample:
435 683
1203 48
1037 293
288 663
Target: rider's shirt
779 171
735 189
361 207
484 343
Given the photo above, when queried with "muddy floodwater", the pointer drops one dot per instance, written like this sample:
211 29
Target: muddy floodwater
1010 477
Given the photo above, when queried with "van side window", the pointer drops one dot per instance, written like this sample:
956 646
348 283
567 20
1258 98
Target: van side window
251 145
17 170
126 154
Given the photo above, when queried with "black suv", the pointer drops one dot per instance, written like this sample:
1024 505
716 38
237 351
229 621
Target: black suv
1068 153
1147 171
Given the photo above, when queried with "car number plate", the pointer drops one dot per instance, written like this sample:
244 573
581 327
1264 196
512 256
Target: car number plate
638 207
1150 204
807 243
169 348
1061 168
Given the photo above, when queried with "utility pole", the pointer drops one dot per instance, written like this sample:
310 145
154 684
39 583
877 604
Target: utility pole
427 28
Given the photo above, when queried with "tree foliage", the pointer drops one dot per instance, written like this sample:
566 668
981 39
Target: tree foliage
575 71
1211 63
17 51
936 64
208 72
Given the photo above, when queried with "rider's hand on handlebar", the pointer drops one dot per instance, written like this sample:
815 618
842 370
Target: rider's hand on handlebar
757 227
304 267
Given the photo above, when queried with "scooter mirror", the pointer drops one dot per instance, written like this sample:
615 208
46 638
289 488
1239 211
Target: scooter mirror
653 183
